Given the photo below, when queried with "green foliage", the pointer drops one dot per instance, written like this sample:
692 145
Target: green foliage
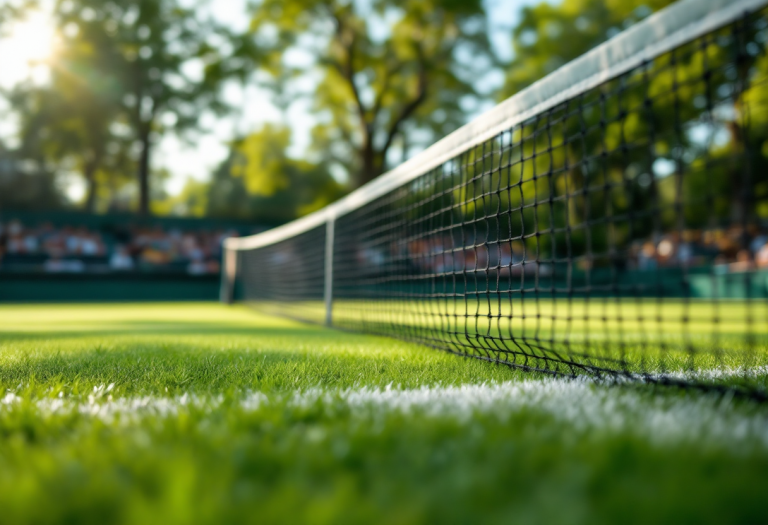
124 74
74 123
192 201
264 162
151 47
261 182
11 11
26 185
386 70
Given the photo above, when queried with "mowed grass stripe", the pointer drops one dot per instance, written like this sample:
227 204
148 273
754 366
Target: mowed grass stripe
177 348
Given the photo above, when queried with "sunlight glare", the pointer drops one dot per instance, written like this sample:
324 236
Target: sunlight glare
24 53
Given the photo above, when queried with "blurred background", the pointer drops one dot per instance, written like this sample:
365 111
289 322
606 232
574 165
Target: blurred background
135 135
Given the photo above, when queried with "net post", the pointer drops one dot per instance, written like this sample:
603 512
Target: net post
228 275
328 290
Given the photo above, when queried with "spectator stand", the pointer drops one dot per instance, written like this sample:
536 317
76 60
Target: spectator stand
69 256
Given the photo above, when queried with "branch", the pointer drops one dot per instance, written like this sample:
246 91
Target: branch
384 88
346 136
347 69
409 108
143 125
390 71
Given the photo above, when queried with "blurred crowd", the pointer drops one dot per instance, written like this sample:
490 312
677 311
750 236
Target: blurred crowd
724 250
729 250
67 249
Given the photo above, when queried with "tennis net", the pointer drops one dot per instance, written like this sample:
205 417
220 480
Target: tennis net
610 220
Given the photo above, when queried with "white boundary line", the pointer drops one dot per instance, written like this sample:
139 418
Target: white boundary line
587 407
667 29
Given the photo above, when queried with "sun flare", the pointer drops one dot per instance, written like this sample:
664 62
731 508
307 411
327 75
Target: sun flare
27 49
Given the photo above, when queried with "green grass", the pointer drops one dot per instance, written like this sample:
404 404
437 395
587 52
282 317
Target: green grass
200 413
639 335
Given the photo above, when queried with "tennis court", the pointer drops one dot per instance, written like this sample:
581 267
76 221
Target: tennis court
170 413
556 314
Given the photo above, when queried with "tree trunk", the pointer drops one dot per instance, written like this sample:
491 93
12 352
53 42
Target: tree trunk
368 169
90 177
144 172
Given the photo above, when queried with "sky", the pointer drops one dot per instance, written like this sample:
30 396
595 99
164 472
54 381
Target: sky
198 157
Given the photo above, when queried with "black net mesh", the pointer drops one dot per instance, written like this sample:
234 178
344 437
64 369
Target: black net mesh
286 278
621 232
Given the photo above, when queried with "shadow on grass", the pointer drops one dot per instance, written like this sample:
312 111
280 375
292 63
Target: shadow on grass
170 328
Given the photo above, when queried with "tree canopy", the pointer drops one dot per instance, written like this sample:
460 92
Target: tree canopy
124 73
259 181
378 79
380 74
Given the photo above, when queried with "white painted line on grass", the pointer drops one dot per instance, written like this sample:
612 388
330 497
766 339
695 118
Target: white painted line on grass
584 406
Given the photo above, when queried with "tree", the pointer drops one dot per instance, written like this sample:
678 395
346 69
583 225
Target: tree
26 184
260 182
11 11
165 61
387 70
73 122
191 201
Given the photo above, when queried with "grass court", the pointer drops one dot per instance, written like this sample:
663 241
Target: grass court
173 413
